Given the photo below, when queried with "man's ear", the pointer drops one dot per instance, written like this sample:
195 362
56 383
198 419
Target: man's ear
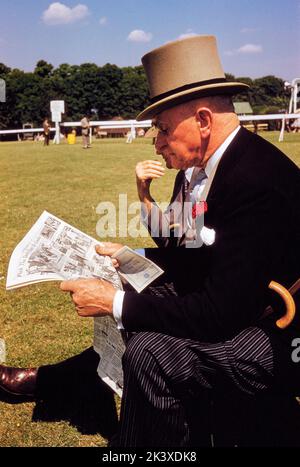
204 118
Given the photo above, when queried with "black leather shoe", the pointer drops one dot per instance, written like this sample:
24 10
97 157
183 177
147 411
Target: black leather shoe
18 381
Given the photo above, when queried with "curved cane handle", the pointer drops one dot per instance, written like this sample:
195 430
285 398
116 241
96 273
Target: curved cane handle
288 317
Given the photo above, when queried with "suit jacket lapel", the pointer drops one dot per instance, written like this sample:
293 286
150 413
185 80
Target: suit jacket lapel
229 160
178 187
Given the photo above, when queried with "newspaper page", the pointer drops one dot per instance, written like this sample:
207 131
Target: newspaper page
136 269
108 343
54 250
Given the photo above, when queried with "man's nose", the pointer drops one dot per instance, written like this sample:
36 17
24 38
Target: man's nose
160 143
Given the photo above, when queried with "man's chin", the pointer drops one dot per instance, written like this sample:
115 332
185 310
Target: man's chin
171 163
168 163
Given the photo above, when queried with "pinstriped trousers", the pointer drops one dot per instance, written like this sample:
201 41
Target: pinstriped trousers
163 375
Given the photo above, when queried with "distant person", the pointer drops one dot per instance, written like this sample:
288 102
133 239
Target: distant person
296 124
131 135
85 125
141 133
46 128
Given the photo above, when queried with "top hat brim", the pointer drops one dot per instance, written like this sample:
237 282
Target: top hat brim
180 97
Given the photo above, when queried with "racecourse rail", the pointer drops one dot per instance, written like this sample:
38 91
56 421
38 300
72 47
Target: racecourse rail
131 124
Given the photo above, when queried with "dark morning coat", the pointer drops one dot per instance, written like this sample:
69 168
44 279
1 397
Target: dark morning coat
253 205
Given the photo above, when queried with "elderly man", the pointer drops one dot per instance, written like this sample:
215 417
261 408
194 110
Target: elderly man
211 337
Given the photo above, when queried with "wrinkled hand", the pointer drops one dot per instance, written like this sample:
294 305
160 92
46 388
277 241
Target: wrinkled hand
91 297
108 249
148 170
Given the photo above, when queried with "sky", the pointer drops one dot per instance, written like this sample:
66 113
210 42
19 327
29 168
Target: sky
255 37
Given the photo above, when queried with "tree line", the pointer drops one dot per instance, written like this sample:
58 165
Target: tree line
103 92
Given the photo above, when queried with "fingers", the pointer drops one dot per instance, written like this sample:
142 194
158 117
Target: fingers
148 163
91 297
149 169
86 311
115 263
68 286
151 166
152 173
108 248
75 285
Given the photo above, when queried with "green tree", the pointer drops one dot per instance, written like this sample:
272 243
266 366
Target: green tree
63 86
113 91
4 70
109 92
81 93
230 77
270 86
245 96
134 91
43 69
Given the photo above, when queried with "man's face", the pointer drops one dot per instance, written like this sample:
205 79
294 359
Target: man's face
179 139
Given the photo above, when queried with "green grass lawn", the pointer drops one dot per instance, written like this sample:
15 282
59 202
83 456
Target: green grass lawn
38 322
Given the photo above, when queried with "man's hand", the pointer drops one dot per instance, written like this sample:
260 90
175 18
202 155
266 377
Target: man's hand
108 249
145 172
91 297
148 170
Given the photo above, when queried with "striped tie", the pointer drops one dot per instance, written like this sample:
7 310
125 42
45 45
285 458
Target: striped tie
196 179
191 197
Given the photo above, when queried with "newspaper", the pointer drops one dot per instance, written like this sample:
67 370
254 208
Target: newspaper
136 269
54 250
2 351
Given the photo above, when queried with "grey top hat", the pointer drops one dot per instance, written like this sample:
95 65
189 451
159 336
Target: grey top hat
184 70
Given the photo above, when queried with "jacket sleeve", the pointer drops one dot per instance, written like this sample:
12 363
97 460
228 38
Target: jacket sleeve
251 235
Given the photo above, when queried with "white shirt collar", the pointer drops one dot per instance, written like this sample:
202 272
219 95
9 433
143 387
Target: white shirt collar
188 173
212 161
